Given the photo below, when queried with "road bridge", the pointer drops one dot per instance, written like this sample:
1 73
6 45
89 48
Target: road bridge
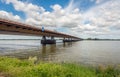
17 28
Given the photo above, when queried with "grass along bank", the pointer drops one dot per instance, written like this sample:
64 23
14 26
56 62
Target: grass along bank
12 67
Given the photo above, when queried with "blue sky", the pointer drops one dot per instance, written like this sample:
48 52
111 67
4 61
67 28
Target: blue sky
47 3
83 5
82 18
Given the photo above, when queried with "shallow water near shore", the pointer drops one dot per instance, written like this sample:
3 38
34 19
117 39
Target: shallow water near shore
85 52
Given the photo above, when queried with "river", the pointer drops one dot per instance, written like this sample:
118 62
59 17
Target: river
84 52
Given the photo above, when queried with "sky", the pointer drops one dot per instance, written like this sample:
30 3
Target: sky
81 18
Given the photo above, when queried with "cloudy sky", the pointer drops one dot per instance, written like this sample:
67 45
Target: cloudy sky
82 18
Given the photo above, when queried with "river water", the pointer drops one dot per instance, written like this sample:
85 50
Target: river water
85 52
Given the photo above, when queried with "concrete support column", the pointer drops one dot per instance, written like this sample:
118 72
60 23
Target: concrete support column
64 40
52 37
48 41
44 38
67 40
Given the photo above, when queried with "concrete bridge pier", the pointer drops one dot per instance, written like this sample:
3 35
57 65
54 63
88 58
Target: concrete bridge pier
67 40
48 41
70 40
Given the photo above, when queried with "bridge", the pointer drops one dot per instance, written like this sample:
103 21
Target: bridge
17 28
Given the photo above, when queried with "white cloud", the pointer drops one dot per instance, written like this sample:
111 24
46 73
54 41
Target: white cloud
7 15
99 1
105 19
36 15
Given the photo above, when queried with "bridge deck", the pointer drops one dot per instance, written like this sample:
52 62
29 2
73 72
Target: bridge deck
12 27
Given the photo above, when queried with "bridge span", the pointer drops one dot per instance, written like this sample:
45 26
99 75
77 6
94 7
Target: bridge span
17 28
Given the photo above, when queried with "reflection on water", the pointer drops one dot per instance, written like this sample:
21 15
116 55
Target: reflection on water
68 44
47 53
86 52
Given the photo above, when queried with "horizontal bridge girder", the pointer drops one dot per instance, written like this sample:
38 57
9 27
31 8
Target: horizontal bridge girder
12 27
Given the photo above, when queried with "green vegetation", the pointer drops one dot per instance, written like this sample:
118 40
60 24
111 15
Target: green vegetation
102 39
11 67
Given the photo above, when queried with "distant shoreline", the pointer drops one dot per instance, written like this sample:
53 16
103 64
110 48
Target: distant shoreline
102 39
